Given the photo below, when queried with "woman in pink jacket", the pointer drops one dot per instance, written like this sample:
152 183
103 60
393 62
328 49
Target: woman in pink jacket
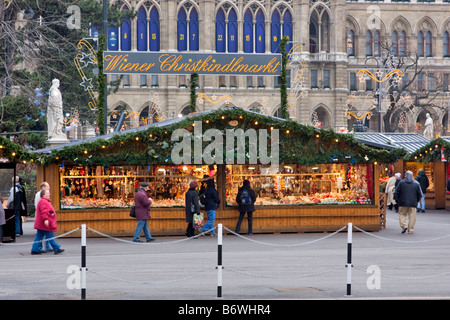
45 223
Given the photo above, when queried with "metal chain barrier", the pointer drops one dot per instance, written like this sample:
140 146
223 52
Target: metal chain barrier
401 241
150 243
32 242
285 245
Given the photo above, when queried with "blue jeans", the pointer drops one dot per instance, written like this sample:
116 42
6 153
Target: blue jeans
18 220
37 245
142 225
421 204
48 246
210 224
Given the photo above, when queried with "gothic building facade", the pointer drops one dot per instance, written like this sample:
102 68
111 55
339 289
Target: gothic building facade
331 41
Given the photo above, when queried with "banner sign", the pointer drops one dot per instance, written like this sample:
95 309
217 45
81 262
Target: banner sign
117 62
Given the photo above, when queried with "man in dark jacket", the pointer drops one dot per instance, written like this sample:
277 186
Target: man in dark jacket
210 198
407 195
424 184
245 198
142 208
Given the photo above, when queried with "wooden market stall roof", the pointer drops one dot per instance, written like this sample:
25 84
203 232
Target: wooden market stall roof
392 140
432 151
151 144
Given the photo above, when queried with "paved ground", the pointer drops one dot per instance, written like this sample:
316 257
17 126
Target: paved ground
265 266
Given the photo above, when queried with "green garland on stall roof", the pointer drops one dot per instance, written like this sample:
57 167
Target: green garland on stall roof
431 152
153 145
14 152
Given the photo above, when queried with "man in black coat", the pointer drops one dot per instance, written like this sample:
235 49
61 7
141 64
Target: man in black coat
408 195
210 198
246 198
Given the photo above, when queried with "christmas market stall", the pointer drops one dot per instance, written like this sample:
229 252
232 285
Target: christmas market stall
434 159
313 180
410 142
11 154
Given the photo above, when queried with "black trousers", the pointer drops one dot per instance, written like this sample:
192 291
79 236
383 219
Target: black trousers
190 231
249 219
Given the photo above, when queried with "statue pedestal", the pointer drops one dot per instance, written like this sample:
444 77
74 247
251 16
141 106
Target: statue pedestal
55 141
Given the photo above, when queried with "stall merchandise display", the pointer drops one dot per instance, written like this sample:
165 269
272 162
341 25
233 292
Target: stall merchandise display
299 184
115 186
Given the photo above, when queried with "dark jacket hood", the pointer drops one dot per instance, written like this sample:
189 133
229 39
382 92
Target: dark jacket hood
210 183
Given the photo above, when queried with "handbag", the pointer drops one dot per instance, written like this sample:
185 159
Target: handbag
198 220
133 212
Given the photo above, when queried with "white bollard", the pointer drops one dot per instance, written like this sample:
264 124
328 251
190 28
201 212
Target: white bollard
83 262
349 258
219 261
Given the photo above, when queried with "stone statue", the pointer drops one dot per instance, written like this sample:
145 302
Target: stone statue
55 119
429 128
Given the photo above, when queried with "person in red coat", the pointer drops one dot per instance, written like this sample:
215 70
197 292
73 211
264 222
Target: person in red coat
45 223
142 208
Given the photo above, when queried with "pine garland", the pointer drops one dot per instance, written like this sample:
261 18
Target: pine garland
299 144
431 152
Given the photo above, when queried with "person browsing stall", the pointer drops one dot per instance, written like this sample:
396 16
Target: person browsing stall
142 205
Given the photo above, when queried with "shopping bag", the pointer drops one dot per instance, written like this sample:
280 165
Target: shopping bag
198 220
132 212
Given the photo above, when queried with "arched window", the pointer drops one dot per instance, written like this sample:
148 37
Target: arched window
148 115
142 29
369 41
220 31
154 30
182 30
428 44
260 30
373 43
446 44
402 44
275 32
420 44
115 117
287 28
321 118
376 43
248 32
395 43
193 30
125 34
232 31
351 43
